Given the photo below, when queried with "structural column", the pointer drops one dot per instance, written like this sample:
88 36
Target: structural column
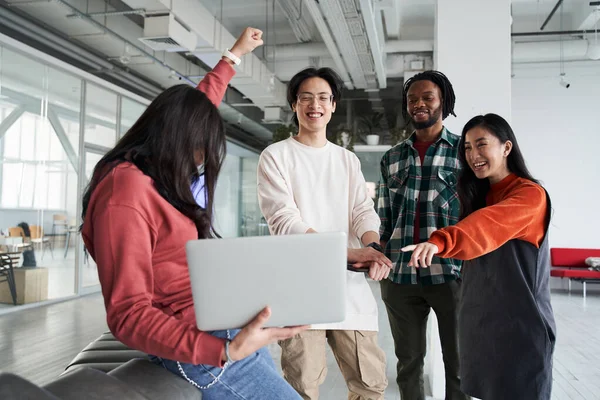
473 48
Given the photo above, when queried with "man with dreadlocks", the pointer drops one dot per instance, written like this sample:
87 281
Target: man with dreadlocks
417 195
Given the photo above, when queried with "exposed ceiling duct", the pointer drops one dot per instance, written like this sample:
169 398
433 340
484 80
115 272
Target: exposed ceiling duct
118 34
294 16
313 8
347 27
165 33
550 51
304 50
253 78
375 41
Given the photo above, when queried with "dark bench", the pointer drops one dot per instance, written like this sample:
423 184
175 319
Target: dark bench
105 369
570 263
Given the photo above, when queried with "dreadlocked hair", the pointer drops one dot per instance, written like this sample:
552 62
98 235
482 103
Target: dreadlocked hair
442 82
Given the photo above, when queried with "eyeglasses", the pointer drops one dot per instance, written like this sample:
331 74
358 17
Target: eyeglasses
324 99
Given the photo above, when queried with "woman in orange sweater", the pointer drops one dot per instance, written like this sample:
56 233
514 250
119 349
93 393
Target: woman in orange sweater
506 324
138 213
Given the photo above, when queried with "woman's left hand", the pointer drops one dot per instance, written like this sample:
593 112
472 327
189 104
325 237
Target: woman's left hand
249 40
422 254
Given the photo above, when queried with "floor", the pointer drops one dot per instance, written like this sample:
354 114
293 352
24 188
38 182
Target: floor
38 343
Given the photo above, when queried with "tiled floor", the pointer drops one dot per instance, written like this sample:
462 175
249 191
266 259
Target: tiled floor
38 343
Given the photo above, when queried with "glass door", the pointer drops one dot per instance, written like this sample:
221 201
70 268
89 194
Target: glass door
88 273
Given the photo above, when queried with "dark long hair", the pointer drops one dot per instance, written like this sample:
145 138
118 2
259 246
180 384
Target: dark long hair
163 142
472 190
329 75
446 89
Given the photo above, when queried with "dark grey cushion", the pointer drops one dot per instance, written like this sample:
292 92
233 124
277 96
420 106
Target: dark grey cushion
155 382
91 384
105 345
13 387
104 360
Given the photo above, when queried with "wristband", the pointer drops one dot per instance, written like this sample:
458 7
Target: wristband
235 59
229 360
376 246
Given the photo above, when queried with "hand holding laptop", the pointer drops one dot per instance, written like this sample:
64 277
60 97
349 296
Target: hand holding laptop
253 336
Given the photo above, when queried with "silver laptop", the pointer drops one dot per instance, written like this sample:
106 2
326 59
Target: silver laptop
301 277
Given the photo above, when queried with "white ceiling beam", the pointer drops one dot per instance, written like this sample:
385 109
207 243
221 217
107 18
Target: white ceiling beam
392 14
315 13
337 19
295 18
366 9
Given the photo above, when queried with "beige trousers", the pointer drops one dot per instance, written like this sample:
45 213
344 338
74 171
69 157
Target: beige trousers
361 361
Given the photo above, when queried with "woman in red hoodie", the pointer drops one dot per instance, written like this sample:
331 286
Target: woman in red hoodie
506 325
138 213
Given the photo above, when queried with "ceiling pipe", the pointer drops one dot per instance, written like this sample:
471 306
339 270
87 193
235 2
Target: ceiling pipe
558 3
531 52
408 46
549 33
303 50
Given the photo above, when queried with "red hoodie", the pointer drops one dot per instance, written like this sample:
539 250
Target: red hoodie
138 242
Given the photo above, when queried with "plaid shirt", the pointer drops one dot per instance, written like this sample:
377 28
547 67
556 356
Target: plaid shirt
404 183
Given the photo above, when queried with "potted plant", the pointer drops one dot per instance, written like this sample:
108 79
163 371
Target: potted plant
400 133
342 136
283 132
370 125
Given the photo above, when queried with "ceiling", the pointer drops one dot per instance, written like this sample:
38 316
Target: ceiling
371 43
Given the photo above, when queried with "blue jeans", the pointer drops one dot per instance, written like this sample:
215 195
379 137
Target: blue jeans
254 377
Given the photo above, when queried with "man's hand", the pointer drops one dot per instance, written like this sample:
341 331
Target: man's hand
422 254
249 40
365 256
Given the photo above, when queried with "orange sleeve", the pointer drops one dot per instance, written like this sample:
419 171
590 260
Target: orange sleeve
520 215
214 84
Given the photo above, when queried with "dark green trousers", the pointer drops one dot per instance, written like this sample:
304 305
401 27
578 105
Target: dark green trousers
408 308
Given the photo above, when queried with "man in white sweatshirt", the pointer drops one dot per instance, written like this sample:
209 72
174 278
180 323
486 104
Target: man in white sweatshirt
308 184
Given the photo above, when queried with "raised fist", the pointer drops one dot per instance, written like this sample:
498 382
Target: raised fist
249 40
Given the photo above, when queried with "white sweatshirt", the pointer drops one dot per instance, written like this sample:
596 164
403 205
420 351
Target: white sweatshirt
302 187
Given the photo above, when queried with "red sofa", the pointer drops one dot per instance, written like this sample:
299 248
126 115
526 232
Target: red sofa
570 264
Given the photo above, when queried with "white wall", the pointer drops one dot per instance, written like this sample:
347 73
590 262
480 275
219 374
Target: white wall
558 130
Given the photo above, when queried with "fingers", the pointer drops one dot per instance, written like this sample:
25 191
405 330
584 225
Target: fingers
383 260
378 271
430 255
255 33
386 273
414 259
286 333
373 271
408 248
261 319
370 254
422 255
